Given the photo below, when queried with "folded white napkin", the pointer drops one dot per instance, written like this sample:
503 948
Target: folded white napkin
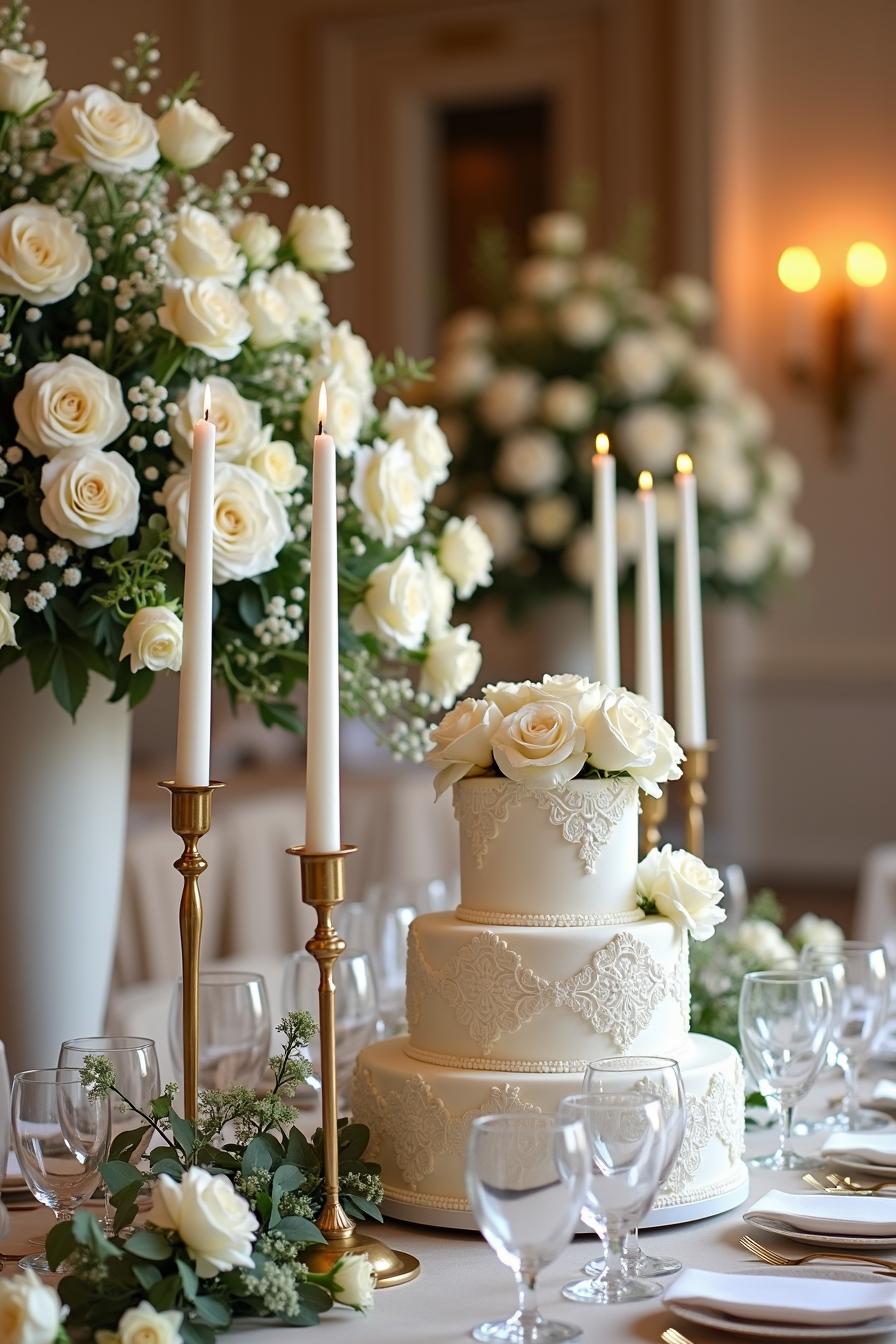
877 1148
857 1216
884 1090
784 1298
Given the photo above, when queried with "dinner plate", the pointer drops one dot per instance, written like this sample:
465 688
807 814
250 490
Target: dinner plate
719 1320
846 1239
871 1168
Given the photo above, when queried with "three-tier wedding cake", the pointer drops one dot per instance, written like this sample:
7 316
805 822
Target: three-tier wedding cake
554 956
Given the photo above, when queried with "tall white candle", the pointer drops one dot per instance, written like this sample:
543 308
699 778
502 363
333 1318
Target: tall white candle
648 626
322 829
605 592
195 692
690 720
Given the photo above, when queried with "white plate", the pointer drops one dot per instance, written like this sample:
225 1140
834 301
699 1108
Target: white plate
720 1320
872 1168
846 1239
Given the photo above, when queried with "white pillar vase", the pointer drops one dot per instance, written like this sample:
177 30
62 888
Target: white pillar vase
63 812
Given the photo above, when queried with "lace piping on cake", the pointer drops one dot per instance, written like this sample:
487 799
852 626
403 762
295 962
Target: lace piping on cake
504 917
683 972
717 1114
493 993
586 817
478 1062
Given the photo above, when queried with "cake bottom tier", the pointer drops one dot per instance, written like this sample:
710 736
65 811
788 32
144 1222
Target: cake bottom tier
419 1116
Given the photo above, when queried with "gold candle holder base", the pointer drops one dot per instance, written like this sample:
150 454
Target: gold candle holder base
695 770
323 889
191 816
653 814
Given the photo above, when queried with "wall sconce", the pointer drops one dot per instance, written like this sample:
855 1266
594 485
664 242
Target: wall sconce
831 349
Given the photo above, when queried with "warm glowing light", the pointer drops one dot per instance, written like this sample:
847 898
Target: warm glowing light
322 406
645 480
602 444
798 269
866 265
206 402
684 464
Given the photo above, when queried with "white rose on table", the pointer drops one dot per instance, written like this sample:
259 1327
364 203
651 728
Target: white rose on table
558 231
154 638
462 372
651 438
200 248
8 620
395 607
418 429
206 315
340 348
540 744
637 365
544 278
237 420
746 551
275 461
190 135
144 1325
567 404
813 931
69 404
214 1222
583 320
550 519
386 490
500 523
621 734
529 461
354 1281
30 1311
462 742
345 415
304 296
726 480
440 597
673 342
508 400
272 319
681 888
470 326
90 497
96 127
796 550
714 430
690 298
711 375
600 271
258 238
764 944
465 554
23 82
43 257
320 238
249 522
452 663
510 695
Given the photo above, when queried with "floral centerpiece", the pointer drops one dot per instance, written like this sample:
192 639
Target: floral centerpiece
579 346
127 285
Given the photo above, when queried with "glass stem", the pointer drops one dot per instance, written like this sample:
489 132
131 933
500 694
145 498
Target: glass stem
527 1313
615 1255
631 1250
850 1091
785 1129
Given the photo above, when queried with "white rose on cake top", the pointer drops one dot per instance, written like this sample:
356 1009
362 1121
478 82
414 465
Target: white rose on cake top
678 885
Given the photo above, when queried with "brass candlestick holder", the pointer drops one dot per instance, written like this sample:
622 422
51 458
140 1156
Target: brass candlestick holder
191 816
322 888
695 769
653 814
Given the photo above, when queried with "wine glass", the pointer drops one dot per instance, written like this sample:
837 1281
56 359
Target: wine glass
136 1070
628 1153
858 1017
526 1177
60 1134
234 1028
356 1009
650 1076
785 1020
382 930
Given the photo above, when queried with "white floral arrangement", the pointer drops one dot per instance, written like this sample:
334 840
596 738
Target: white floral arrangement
681 887
576 345
127 285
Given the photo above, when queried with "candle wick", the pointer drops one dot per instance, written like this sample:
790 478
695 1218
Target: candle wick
320 426
206 415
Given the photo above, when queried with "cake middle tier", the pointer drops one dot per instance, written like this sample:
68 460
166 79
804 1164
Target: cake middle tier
540 1000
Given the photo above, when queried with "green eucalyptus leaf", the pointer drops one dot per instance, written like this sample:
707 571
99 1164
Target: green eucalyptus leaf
300 1152
193 1333
188 1278
299 1229
125 1144
119 1175
148 1245
257 1157
211 1311
59 1244
184 1133
168 1166
146 1275
163 1295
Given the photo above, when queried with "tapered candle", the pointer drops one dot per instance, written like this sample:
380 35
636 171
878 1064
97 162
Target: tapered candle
648 626
322 829
605 593
690 694
194 710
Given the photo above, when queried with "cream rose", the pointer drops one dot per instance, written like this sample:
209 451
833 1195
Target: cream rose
345 415
69 404
303 294
508 400
746 551
95 127
354 1281
667 758
144 1325
465 554
813 931
637 364
726 479
529 461
540 744
608 273
190 135
250 526
462 742
558 231
583 320
386 490
30 1311
276 463
578 557
452 663
42 255
206 315
462 371
273 321
567 404
237 420
796 550
470 326
500 522
344 352
578 692
764 944
651 436
680 887
544 278
440 597
90 497
418 429
621 733
23 82
550 519
214 1222
395 606
154 638
258 238
510 695
784 473
8 620
690 298
320 238
202 249
712 375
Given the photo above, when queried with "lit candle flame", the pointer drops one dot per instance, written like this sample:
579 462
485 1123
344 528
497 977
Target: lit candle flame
602 444
206 402
866 265
684 464
322 408
645 480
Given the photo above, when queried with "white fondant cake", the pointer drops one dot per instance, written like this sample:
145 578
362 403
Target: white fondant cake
546 964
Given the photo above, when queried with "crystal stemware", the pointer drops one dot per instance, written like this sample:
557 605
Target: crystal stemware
382 931
356 1009
234 1028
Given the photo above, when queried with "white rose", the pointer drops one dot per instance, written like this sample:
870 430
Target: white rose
461 372
342 351
558 231
471 326
275 461
69 404
567 404
154 638
753 415
345 415
509 399
544 278
745 552
510 695
637 365
628 529
418 429
452 663
273 321
690 298
201 248
304 296
715 430
666 509
673 342
711 376
90 497
651 437
813 931
30 1311
683 889
581 694
440 597
462 742
600 271
23 82
500 523
258 238
354 1281
249 522
540 744
8 620
190 135
583 320
784 473
667 757
395 606
214 1222
578 558
144 1325
95 127
621 733
529 461
725 479
764 943
796 551
465 554
550 519
386 490
206 315
320 238
42 255
237 420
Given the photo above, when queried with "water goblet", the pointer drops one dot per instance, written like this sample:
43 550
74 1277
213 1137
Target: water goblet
234 1028
526 1177
628 1152
785 1020
356 1009
382 930
60 1134
651 1076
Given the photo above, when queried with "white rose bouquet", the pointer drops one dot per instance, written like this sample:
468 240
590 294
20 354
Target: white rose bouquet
126 285
575 346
